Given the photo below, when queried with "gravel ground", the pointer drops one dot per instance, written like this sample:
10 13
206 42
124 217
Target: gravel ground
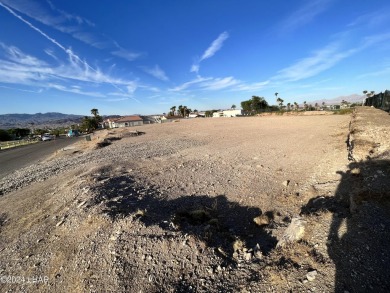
173 209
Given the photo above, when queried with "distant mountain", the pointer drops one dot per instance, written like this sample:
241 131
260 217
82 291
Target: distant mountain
38 120
354 98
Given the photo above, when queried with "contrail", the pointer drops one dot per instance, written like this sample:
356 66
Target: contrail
67 51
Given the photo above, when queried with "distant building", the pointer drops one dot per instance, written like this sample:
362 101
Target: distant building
127 121
232 113
110 122
228 113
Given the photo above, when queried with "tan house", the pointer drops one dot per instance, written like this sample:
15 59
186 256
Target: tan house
126 121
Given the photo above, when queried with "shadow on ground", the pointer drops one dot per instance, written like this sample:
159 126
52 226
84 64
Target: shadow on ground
215 220
359 236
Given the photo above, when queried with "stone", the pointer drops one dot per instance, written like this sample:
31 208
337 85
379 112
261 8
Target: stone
286 183
294 232
355 171
311 276
60 223
262 220
248 256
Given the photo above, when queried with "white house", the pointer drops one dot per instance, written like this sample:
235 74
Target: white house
218 114
231 113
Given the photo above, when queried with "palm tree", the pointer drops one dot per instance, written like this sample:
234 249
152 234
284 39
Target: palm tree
305 105
280 102
173 110
94 112
180 110
296 105
184 111
234 107
365 92
288 106
316 105
372 93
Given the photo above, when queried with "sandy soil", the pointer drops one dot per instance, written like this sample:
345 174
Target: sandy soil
173 210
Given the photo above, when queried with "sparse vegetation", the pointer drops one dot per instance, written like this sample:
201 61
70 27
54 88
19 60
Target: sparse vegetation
343 111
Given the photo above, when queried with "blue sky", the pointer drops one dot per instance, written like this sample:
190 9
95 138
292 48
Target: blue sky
142 56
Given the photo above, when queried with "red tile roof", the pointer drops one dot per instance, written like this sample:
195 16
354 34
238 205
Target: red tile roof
129 119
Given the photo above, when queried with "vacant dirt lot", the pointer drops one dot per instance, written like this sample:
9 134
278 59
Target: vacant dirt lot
173 209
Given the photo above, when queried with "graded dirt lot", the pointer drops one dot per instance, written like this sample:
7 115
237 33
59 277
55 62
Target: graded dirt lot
200 205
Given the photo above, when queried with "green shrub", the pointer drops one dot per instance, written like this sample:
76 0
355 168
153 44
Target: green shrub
344 111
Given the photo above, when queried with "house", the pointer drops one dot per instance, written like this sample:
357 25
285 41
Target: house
197 114
126 121
218 114
193 115
232 113
109 122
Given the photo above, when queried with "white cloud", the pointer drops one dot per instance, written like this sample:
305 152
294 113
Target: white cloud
116 100
156 71
318 62
326 58
131 87
125 54
51 54
71 17
74 90
23 69
89 73
304 14
219 83
215 46
195 68
189 83
213 84
372 19
22 90
374 39
17 56
252 86
78 27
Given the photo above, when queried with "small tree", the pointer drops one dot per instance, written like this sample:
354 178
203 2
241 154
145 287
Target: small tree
4 135
234 107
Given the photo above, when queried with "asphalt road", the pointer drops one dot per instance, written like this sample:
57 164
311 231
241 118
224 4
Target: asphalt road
19 157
